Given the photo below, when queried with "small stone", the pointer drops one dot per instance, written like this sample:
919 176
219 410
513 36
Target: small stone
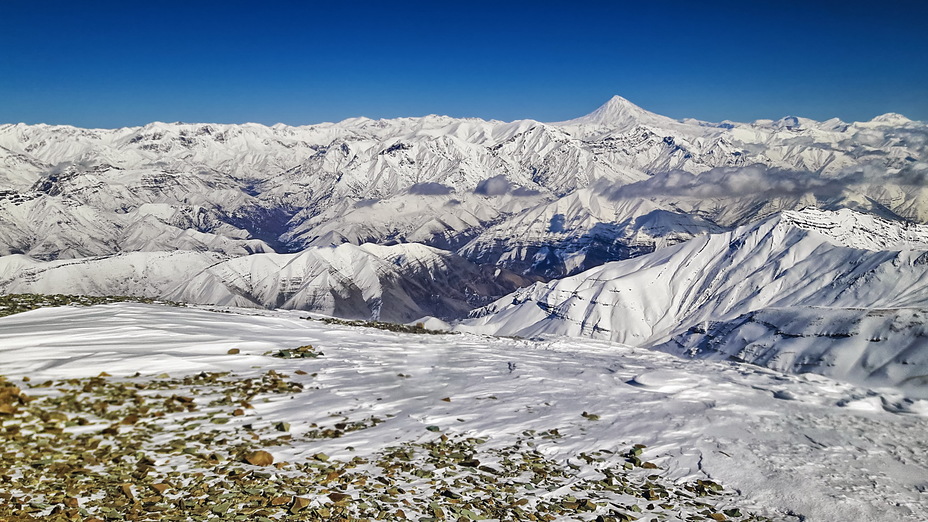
339 497
220 509
299 503
259 458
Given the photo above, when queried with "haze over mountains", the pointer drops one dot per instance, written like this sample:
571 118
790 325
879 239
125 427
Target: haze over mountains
399 219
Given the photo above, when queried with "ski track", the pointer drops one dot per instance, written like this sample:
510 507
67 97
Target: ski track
796 447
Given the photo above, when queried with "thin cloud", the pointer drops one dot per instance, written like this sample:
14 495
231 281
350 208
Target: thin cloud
760 180
430 189
495 186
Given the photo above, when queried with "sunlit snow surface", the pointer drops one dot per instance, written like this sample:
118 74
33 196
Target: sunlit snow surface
793 446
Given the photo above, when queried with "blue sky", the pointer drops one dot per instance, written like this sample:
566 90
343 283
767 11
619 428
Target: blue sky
109 64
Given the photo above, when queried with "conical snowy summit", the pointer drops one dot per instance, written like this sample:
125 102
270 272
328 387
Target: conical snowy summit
891 118
620 114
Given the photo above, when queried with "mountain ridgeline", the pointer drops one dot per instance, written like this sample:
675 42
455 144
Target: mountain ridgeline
542 199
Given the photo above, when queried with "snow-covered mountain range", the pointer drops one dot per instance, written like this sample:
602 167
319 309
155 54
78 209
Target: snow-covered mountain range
536 197
698 238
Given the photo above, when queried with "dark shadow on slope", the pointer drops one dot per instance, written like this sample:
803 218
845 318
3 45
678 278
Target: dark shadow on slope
603 243
266 224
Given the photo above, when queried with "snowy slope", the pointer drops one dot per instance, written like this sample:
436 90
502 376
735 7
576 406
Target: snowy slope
809 258
398 283
57 228
833 452
393 283
140 274
443 220
879 347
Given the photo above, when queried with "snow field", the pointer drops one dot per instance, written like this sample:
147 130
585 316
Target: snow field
783 446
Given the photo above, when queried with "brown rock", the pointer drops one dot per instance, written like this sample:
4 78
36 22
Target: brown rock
299 503
339 497
259 458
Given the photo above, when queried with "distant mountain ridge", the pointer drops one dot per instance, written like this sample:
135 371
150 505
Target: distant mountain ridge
441 181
